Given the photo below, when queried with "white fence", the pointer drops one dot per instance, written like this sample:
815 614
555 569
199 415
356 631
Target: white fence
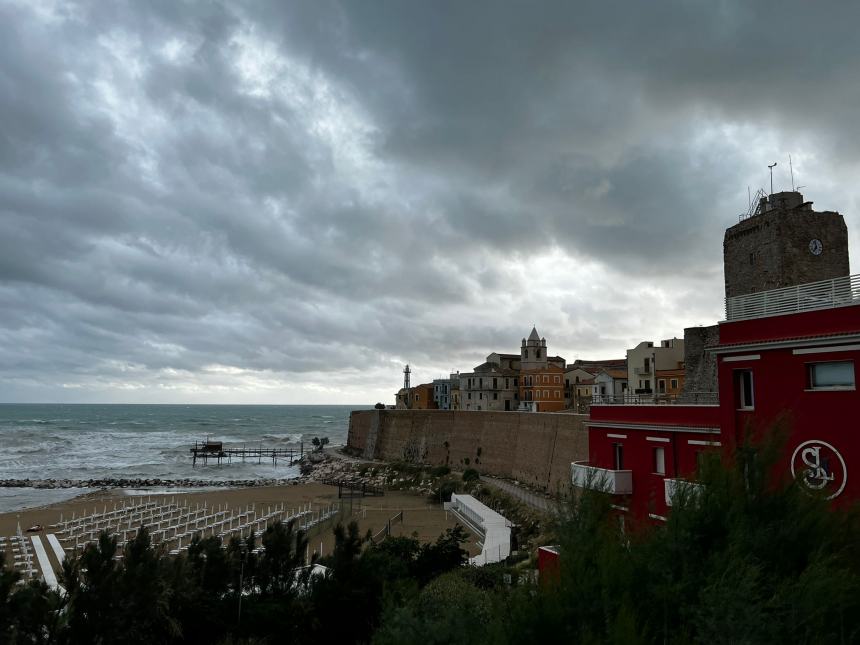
825 294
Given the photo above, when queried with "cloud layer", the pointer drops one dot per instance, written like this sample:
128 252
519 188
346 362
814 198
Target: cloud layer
284 203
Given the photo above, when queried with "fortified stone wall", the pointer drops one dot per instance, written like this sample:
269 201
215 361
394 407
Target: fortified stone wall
700 367
534 448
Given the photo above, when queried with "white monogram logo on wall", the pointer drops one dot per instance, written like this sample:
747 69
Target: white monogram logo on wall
820 467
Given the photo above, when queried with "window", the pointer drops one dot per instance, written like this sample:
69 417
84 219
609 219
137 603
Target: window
577 379
557 394
647 365
746 400
659 461
831 376
546 394
495 383
674 383
537 394
481 383
516 380
624 387
557 379
526 354
618 455
495 396
661 386
470 395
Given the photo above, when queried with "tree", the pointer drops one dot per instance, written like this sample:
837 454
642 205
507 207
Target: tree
748 557
448 610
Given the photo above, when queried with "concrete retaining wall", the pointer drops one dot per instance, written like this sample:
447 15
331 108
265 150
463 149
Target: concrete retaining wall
534 448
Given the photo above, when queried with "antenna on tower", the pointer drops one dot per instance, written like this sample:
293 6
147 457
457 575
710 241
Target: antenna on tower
771 166
406 373
791 168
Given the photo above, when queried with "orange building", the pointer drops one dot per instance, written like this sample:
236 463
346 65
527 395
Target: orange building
422 397
670 383
542 389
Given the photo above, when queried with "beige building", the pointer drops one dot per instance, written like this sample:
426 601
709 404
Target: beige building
490 387
646 357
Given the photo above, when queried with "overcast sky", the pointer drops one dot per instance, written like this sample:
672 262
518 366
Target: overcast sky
284 202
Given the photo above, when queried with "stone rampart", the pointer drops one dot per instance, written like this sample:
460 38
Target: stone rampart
534 448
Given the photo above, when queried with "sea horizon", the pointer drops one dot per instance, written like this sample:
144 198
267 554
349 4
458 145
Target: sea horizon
152 441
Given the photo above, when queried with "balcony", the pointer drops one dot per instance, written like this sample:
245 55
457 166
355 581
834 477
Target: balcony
642 371
672 487
824 294
616 482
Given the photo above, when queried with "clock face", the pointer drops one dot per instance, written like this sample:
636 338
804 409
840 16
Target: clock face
816 247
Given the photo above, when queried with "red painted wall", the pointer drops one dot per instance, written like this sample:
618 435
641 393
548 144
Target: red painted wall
843 320
783 399
549 566
687 415
648 487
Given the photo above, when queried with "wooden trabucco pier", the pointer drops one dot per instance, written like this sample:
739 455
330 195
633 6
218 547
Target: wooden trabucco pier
215 450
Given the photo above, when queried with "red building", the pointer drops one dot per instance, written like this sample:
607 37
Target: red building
797 370
784 357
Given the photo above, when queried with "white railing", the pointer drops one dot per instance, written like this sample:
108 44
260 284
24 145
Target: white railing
672 487
824 294
688 398
617 482
493 529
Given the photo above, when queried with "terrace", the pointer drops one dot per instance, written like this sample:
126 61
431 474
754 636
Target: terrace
813 296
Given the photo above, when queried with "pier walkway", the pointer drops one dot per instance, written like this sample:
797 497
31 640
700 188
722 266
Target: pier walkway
215 450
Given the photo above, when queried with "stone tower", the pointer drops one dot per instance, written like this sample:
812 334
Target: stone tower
533 352
782 243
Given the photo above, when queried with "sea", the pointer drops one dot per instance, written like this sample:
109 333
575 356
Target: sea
84 441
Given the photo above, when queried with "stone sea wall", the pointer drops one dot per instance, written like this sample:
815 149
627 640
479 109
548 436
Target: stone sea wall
534 448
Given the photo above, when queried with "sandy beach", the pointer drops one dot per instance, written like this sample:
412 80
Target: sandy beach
420 519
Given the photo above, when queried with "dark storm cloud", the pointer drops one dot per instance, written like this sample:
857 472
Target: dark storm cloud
198 197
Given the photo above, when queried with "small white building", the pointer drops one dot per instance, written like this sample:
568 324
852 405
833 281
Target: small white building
610 386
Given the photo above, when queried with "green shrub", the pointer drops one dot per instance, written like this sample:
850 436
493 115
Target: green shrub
442 492
440 471
471 475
